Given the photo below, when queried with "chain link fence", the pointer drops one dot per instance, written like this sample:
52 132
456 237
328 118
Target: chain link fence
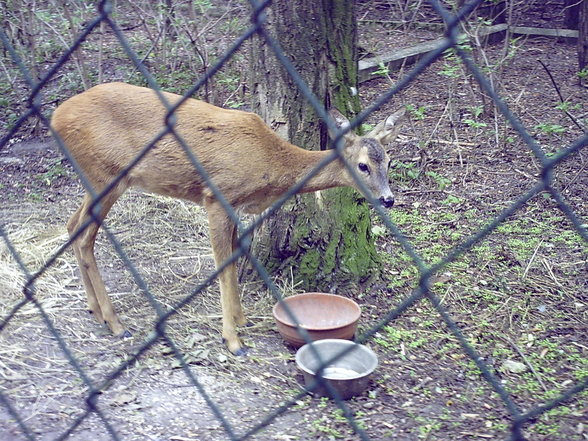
426 273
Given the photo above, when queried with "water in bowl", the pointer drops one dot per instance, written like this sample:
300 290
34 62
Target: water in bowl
339 373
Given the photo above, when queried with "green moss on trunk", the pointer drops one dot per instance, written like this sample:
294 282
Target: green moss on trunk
341 26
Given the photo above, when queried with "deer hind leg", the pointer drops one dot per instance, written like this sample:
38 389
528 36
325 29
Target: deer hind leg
223 239
237 307
98 301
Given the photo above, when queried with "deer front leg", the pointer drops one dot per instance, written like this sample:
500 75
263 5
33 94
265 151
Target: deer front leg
222 237
99 303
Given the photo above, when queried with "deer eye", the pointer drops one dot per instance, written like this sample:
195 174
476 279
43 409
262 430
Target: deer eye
364 168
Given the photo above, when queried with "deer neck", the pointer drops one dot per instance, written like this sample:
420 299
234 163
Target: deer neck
331 175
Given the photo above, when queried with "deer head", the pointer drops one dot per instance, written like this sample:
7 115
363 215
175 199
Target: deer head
366 154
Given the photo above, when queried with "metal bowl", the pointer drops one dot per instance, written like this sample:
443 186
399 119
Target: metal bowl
321 315
348 374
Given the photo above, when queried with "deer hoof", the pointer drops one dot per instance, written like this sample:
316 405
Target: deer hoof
236 349
126 334
241 352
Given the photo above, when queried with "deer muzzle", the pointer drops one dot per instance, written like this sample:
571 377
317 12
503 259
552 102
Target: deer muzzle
387 201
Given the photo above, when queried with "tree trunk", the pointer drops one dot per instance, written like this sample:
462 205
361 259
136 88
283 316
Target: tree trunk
494 12
583 39
571 9
324 239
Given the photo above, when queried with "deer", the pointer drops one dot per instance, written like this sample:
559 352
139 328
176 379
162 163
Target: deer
105 127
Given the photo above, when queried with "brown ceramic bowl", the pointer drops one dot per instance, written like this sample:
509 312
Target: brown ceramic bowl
322 315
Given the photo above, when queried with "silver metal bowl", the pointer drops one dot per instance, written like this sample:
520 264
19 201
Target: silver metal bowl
348 374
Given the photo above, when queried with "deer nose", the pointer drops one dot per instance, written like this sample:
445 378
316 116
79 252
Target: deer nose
387 201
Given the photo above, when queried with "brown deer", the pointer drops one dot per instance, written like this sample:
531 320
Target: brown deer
106 126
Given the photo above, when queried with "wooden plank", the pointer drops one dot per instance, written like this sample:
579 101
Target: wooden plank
393 60
410 55
565 33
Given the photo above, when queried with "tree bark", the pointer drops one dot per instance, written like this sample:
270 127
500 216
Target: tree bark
494 12
324 240
571 9
583 38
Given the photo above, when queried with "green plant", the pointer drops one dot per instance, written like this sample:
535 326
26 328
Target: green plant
366 128
463 43
441 181
509 139
474 124
379 231
403 171
383 70
203 5
566 106
320 426
551 429
35 196
451 62
231 81
427 426
55 171
395 339
477 111
550 129
450 70
450 200
582 373
417 113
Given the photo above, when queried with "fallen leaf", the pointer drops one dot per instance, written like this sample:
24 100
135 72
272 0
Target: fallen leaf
514 366
123 398
196 338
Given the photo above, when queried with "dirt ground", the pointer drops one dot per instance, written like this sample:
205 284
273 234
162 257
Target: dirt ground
519 297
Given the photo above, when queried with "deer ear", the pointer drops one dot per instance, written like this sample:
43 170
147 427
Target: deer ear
342 123
388 130
340 119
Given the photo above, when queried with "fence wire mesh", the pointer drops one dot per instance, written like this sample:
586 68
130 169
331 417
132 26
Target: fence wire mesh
92 408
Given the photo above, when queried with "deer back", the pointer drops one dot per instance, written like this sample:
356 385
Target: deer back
105 128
